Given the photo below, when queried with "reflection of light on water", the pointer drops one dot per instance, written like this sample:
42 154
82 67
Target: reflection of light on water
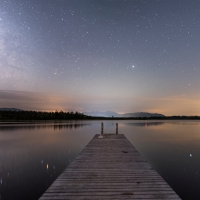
47 166
155 139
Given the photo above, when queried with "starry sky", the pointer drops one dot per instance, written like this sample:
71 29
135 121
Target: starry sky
100 55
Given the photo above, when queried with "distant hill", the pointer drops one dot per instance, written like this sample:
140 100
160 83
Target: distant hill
10 109
114 114
102 114
143 114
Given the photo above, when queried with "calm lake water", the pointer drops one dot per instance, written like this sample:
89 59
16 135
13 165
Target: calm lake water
33 155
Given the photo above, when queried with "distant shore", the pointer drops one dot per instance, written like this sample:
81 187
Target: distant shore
35 115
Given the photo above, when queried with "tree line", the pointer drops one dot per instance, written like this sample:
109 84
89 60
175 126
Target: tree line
60 115
38 115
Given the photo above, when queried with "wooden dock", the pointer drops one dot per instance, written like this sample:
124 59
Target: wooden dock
109 168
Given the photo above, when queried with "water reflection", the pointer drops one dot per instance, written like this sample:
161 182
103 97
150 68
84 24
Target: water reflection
33 127
145 124
173 149
32 155
150 123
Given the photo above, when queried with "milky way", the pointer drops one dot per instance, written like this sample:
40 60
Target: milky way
125 56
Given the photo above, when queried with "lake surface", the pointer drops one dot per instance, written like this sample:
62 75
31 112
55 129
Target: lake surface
33 155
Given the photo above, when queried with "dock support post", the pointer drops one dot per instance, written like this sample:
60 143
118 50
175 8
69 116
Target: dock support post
116 128
101 128
101 135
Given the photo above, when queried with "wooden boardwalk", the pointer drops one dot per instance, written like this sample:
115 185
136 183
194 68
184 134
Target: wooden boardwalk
109 168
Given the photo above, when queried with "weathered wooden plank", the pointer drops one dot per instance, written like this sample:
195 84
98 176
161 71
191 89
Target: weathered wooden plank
125 195
122 197
109 168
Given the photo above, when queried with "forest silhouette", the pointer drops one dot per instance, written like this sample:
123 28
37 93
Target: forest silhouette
61 115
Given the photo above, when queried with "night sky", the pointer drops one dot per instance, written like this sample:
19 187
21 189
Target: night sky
100 55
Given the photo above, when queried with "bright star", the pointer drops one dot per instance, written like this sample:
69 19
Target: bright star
133 66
